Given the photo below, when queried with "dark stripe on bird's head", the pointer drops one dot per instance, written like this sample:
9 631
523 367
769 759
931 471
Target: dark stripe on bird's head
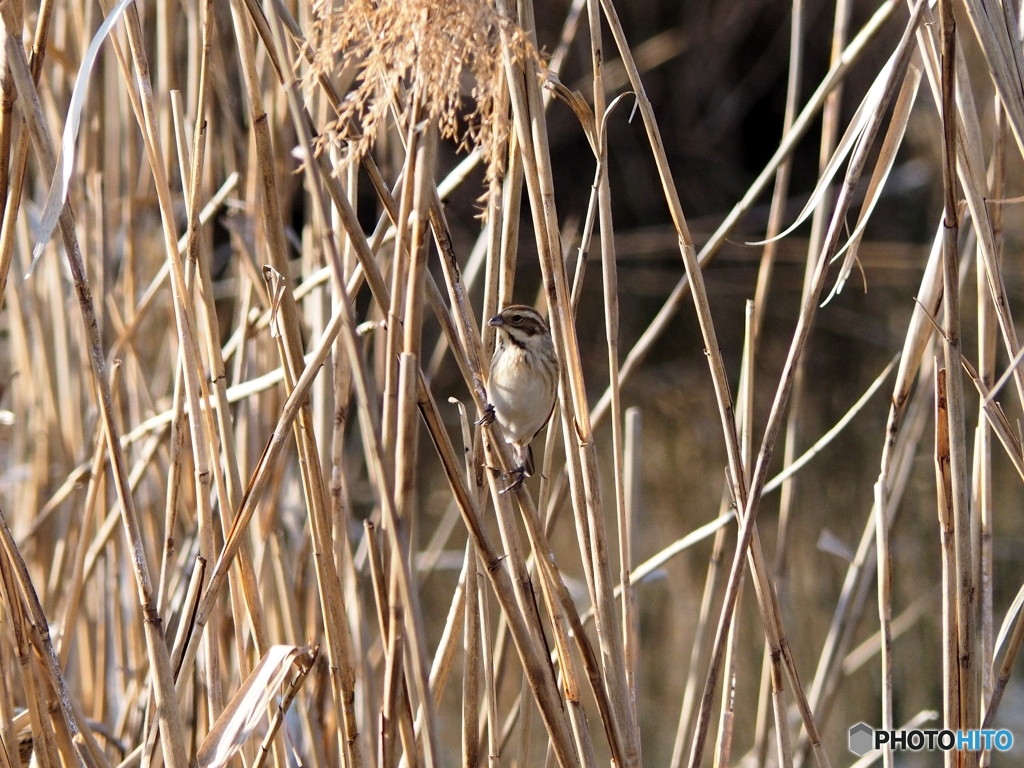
521 317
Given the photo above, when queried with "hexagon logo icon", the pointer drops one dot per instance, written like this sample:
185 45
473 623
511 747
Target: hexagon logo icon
861 738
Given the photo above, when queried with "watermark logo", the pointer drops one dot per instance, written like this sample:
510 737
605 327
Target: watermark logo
864 738
861 739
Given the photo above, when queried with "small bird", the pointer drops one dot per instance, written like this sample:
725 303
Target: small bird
523 380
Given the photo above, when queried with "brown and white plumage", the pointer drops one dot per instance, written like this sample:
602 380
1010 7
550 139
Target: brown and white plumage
523 379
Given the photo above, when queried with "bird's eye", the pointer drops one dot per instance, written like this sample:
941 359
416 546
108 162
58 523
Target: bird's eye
517 318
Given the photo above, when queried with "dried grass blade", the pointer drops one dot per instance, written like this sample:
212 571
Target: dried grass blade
65 166
883 166
997 418
247 707
995 26
854 131
860 655
1011 614
839 426
655 562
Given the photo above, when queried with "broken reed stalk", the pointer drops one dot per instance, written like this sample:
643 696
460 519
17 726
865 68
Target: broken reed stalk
947 542
490 691
966 613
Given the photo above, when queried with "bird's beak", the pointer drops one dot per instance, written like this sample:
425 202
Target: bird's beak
496 321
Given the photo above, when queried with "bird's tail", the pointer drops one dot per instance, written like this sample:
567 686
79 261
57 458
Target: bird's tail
528 461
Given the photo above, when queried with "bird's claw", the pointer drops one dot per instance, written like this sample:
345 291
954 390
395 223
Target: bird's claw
488 417
520 477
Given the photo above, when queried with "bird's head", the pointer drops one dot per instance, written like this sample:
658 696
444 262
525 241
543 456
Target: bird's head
519 322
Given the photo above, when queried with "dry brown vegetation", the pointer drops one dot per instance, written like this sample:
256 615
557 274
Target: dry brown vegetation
250 513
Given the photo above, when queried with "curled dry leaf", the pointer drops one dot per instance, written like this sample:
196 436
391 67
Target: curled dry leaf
853 134
576 102
66 160
883 167
249 704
